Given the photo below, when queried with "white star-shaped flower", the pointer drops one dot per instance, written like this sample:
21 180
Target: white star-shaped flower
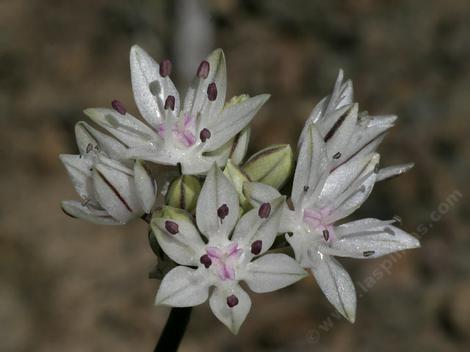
195 132
113 192
232 252
320 199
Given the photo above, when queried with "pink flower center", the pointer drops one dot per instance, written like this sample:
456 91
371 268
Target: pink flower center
316 220
224 260
183 131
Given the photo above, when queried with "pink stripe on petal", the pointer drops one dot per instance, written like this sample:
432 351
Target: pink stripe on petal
214 252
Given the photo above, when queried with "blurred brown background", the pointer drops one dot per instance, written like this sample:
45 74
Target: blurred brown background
66 285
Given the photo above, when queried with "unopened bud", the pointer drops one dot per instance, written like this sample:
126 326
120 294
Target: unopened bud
168 212
183 192
240 146
272 166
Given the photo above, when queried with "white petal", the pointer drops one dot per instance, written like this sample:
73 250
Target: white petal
336 284
392 171
77 210
231 317
301 242
183 287
272 272
216 191
79 170
126 128
153 153
196 101
370 238
185 246
100 142
338 137
116 191
150 89
358 192
311 165
258 193
252 227
145 186
232 120
240 146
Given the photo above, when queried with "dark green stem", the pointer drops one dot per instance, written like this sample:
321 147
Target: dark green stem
174 330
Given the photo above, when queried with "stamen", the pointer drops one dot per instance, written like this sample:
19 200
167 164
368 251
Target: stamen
171 227
256 247
212 91
203 69
205 260
170 103
368 253
89 148
119 107
306 188
326 235
232 301
264 210
205 134
165 68
222 212
337 155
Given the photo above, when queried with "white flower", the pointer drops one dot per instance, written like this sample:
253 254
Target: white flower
224 259
320 200
195 132
112 192
347 132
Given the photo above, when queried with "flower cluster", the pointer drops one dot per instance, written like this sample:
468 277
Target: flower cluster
218 221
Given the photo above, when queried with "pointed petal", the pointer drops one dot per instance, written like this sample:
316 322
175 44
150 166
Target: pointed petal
301 243
115 190
231 121
312 163
183 287
272 272
125 128
255 227
258 193
86 135
231 317
338 137
185 246
145 186
370 238
336 284
77 210
150 88
392 171
196 102
217 191
79 170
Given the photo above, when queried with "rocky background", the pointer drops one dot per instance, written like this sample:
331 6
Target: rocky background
66 285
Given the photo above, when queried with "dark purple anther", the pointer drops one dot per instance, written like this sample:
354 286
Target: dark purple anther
337 155
205 134
222 212
119 107
171 227
256 247
232 301
368 253
326 235
205 260
264 210
170 103
165 68
212 91
203 69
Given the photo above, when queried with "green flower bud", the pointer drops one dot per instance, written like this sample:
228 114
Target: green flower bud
183 192
169 212
236 100
240 146
272 166
238 178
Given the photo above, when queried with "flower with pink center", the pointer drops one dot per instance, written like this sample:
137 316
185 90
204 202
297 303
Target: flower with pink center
183 132
228 256
324 193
